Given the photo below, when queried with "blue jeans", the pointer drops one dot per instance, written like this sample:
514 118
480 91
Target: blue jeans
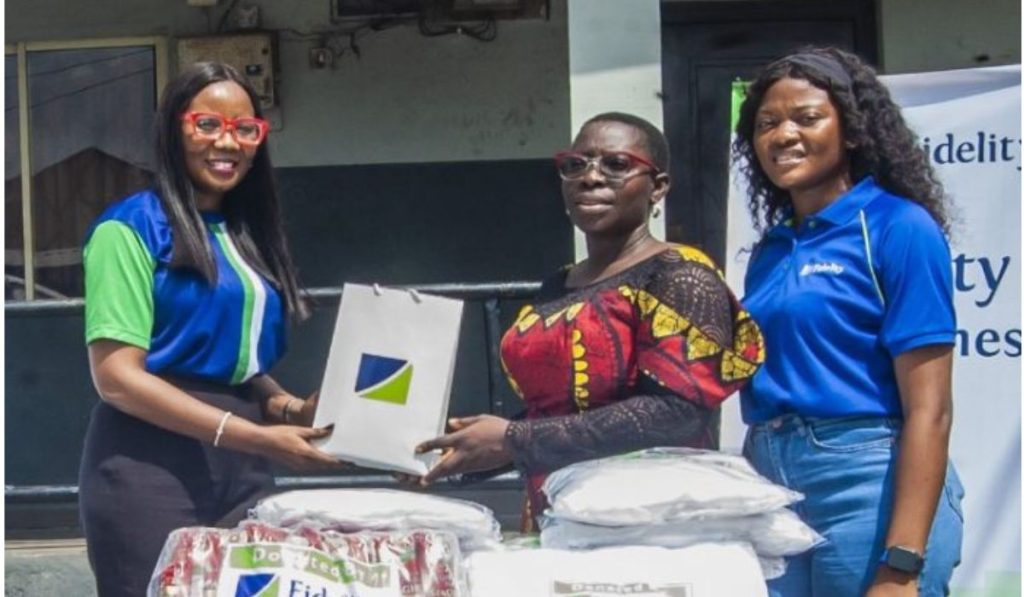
845 469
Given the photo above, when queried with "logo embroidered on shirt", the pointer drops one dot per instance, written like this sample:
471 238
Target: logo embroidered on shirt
821 268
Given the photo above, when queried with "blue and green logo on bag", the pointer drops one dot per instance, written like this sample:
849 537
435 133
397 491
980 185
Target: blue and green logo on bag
383 378
257 585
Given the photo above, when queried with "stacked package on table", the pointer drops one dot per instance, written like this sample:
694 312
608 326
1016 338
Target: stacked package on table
664 522
672 498
258 559
348 510
719 569
330 543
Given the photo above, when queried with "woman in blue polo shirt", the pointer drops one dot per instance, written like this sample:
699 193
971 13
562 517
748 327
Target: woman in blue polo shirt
851 285
188 288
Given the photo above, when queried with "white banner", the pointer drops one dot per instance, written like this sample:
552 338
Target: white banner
969 122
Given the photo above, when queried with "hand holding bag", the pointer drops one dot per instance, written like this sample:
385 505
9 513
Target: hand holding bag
388 377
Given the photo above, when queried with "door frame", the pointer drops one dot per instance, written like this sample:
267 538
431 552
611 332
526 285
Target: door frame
698 223
864 14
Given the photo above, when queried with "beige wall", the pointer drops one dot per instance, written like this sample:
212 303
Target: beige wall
407 98
411 98
928 35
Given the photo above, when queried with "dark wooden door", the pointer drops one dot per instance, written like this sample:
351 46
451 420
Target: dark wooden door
705 47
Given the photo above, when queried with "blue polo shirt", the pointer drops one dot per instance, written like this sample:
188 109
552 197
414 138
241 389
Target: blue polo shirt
225 332
863 280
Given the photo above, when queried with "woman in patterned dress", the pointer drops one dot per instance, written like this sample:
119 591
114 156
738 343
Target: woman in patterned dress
635 346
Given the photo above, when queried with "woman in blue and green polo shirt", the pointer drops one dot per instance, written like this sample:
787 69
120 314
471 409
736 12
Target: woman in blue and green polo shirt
851 285
188 289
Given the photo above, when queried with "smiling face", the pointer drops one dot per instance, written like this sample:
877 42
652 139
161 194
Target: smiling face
216 166
599 206
798 139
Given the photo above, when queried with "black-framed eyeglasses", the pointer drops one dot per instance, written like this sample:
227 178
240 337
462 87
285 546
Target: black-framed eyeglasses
614 165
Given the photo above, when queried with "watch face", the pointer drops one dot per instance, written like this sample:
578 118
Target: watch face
904 560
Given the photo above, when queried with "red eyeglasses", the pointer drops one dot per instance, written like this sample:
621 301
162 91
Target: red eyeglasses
249 131
615 165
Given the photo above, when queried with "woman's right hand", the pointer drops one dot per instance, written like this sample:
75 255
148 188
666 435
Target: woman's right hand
290 445
407 481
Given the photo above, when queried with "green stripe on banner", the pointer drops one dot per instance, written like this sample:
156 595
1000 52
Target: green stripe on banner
220 233
739 92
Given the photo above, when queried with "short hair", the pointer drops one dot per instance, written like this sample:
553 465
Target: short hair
654 140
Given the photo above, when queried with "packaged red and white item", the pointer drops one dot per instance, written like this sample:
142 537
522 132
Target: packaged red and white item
260 559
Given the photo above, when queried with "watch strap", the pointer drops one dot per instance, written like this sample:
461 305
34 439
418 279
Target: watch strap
903 559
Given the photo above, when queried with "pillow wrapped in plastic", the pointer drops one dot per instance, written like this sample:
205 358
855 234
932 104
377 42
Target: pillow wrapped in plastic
773 534
706 569
350 510
772 567
257 559
662 484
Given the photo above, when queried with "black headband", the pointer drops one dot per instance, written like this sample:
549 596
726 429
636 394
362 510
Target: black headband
825 66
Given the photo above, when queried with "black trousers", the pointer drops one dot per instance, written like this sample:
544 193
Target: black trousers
138 482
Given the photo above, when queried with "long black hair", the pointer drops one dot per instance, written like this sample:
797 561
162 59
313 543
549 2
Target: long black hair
250 209
880 143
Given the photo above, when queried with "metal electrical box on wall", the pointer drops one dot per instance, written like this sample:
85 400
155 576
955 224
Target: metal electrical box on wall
253 54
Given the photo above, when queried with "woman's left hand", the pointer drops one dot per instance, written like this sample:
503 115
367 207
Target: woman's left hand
475 444
890 583
307 411
280 405
295 410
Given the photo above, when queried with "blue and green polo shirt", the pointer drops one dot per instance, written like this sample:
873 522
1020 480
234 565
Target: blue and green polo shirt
861 281
226 332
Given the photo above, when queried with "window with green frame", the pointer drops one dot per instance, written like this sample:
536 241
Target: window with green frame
78 136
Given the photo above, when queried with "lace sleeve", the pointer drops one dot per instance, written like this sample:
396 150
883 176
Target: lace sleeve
698 293
693 337
541 445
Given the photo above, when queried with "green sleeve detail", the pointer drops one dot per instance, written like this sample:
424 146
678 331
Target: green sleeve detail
118 286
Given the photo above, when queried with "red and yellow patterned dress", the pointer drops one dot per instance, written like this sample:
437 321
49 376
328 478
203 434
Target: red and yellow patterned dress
640 359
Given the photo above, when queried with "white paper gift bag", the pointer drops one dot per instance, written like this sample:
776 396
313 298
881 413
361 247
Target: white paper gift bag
388 377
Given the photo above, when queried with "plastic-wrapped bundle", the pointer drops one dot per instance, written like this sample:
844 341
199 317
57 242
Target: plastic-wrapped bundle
192 558
423 562
772 534
256 558
659 485
704 569
772 567
351 510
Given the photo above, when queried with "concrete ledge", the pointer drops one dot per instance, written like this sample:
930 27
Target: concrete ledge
50 567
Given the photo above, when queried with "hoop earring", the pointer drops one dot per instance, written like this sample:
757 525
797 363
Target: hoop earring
656 211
